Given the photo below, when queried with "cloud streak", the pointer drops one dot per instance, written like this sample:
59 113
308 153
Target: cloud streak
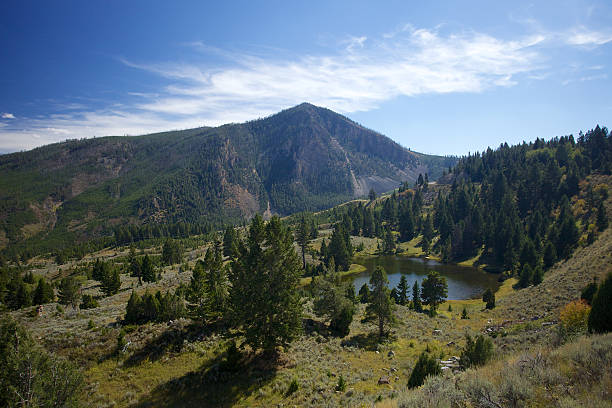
360 76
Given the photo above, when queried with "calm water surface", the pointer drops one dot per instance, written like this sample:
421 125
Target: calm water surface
463 282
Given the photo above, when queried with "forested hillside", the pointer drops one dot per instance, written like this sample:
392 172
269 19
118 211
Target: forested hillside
184 182
516 209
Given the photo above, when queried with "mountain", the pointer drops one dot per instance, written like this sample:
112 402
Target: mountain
303 158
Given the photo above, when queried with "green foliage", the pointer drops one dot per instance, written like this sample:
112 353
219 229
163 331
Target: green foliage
380 307
230 243
89 302
600 318
364 293
602 217
293 387
264 294
69 291
464 313
31 377
43 293
341 386
402 290
434 290
148 270
111 281
339 248
416 297
208 288
489 298
476 353
154 308
172 253
330 301
426 366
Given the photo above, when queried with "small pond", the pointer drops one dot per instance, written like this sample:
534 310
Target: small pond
463 282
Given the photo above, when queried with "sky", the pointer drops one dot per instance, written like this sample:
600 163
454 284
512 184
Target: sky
439 77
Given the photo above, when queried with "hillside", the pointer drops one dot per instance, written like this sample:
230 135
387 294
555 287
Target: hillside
303 158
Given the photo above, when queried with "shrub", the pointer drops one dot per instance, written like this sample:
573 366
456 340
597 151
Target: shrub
89 302
574 316
426 365
489 298
293 387
476 353
464 314
341 386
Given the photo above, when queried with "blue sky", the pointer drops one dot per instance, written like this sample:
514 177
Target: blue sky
442 77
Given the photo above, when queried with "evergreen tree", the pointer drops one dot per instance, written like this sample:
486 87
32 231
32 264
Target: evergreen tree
264 294
550 255
88 302
364 293
416 297
216 283
434 290
489 298
476 353
600 318
372 195
589 291
172 252
402 289
338 249
133 311
538 275
111 282
380 307
31 377
230 243
388 242
69 292
147 270
134 265
526 276
330 302
43 292
426 365
602 217
302 236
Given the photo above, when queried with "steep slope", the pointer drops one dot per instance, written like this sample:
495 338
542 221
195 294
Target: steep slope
304 158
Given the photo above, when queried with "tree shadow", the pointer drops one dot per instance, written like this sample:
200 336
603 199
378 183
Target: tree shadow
366 341
170 340
216 383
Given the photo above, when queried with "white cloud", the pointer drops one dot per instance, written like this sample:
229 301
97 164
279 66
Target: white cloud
584 37
7 115
362 74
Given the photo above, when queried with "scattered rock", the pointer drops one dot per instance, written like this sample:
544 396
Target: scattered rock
350 392
383 380
437 331
391 353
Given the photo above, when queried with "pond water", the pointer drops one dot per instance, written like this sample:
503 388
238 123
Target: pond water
463 282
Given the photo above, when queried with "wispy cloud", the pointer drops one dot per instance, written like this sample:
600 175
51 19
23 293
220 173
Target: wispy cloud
7 115
583 36
359 76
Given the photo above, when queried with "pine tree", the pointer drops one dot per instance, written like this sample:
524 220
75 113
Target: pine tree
434 290
264 294
302 236
476 353
388 242
230 243
416 297
426 366
364 293
338 249
526 276
216 283
43 293
600 318
147 270
380 307
69 291
330 302
402 289
372 195
134 265
489 298
111 282
602 217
